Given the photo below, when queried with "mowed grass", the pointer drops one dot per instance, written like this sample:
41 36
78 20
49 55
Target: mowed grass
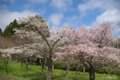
18 72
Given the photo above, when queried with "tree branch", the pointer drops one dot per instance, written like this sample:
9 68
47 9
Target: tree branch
43 37
55 43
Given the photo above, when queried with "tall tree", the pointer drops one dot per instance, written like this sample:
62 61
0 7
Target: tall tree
36 27
8 32
0 32
93 46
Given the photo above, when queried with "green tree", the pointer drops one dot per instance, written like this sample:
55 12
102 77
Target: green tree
8 32
0 32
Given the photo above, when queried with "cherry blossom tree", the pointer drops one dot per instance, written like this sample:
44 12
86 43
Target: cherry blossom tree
92 46
6 54
36 27
63 55
67 56
4 43
21 53
34 51
44 49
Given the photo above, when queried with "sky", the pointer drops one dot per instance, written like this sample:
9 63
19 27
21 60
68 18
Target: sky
62 12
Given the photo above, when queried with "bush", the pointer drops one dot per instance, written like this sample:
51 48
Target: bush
63 66
107 70
59 65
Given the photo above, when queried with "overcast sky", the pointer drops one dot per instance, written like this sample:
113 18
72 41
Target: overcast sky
62 12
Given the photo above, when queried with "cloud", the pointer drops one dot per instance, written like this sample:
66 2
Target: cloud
27 6
11 1
103 5
110 11
72 21
109 15
7 16
3 6
39 1
66 24
61 4
55 19
42 11
71 18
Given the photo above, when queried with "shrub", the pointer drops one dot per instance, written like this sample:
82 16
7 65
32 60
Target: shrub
107 70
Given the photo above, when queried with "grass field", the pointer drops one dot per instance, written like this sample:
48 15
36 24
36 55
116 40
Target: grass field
18 72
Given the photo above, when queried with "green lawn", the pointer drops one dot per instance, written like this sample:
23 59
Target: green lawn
16 71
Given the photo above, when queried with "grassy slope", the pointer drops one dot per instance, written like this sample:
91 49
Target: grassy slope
16 71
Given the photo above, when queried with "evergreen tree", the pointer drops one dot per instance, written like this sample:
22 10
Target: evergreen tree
0 32
8 32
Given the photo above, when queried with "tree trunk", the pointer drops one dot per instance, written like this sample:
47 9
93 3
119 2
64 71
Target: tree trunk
92 74
6 67
78 67
26 65
33 63
43 64
11 61
16 60
21 63
67 71
30 62
78 70
49 73
53 65
6 62
42 69
84 69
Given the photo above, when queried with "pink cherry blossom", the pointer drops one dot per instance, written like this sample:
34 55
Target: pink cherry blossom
92 46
